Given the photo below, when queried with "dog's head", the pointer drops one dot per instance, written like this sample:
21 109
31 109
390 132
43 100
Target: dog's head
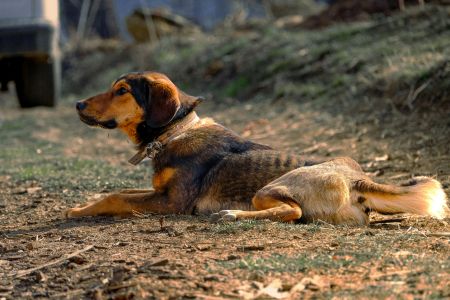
136 103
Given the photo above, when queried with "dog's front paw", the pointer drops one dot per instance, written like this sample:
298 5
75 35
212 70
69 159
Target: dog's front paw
225 216
71 213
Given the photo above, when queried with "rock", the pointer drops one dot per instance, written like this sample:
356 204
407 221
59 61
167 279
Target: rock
149 25
40 277
79 260
159 262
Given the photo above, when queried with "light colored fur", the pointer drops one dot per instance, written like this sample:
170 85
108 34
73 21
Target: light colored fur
339 192
426 198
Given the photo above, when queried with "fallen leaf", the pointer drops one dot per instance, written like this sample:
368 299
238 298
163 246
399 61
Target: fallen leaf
273 290
403 253
250 248
297 288
315 283
33 190
78 259
382 158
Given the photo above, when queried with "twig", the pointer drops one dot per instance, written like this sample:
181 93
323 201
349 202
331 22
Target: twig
313 148
440 234
325 223
208 297
398 273
121 286
395 220
68 293
414 93
52 263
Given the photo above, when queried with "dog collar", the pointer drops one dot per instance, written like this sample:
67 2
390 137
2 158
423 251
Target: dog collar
170 134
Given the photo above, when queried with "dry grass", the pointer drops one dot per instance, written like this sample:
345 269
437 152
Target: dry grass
50 161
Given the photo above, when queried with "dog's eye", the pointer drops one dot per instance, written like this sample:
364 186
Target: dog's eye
121 91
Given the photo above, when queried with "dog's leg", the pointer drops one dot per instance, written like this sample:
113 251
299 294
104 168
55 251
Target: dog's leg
268 207
124 205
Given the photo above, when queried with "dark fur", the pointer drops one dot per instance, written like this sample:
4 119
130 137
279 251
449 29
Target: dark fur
208 169
142 92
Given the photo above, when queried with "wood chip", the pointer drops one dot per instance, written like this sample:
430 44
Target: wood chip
397 272
251 248
439 234
159 262
382 158
203 247
33 190
23 273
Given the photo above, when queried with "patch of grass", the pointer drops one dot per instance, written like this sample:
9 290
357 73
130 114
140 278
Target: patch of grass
371 291
298 228
234 87
236 227
27 155
73 173
305 66
293 264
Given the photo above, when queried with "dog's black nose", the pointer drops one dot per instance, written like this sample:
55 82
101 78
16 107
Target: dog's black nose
81 105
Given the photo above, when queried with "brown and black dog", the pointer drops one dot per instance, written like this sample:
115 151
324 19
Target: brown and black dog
201 167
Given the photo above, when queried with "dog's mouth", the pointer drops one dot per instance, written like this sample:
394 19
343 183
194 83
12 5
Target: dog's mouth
110 124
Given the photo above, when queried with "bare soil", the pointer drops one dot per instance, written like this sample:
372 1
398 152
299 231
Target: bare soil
49 161
188 257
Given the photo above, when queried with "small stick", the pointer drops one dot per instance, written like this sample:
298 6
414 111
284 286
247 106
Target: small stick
387 221
313 148
439 234
401 272
53 262
68 293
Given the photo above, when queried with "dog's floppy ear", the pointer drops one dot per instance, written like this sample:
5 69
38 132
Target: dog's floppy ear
189 101
163 104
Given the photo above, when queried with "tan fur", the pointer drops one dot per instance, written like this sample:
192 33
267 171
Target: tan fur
338 192
124 204
424 198
122 108
322 192
270 208
161 178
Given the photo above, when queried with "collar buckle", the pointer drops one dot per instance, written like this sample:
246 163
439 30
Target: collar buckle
152 149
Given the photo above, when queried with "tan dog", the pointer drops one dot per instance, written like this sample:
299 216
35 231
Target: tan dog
201 167
338 192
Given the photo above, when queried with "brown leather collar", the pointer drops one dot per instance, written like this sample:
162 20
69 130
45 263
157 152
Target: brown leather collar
170 134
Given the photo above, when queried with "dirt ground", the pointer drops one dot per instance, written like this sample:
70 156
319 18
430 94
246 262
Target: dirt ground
50 161
182 257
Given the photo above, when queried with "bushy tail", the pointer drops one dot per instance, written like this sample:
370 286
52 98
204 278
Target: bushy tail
422 196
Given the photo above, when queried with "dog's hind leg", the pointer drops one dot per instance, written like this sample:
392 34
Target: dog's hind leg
268 207
135 191
124 205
